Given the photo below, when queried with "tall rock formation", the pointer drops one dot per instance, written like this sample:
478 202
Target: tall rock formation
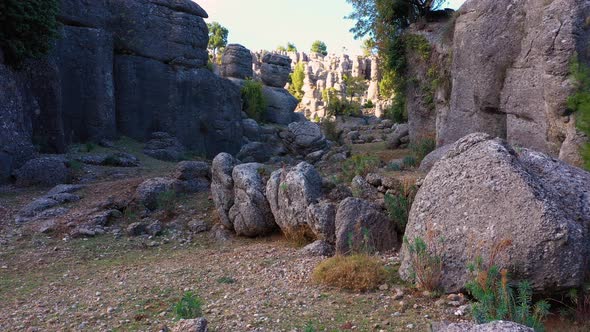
121 67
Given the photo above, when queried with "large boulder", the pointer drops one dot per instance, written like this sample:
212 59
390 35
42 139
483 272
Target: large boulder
304 138
236 62
321 218
394 140
482 192
258 152
192 176
290 193
362 226
275 70
524 50
222 186
149 192
43 171
280 105
251 214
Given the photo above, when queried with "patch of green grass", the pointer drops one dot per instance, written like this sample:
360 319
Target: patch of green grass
226 280
188 307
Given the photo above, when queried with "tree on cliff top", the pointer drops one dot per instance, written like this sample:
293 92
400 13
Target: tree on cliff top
217 38
320 47
27 28
289 48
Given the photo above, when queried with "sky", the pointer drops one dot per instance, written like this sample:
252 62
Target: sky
266 24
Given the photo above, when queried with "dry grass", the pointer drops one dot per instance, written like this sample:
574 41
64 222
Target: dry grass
357 272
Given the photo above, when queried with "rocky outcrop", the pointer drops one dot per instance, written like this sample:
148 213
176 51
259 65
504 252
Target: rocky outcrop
504 70
483 192
362 227
162 146
290 193
119 67
236 62
16 127
433 157
275 70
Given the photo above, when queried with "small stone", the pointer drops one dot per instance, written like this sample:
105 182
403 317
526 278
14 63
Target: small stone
383 287
410 326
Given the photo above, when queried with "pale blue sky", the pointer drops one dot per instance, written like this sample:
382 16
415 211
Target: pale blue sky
266 24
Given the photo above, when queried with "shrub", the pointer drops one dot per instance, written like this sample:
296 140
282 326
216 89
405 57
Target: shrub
399 206
189 307
27 28
320 47
409 162
89 147
579 102
330 129
357 272
369 104
226 280
359 165
496 299
254 101
166 201
426 261
422 148
297 78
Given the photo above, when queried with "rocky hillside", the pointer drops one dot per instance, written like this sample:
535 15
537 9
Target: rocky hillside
503 69
119 67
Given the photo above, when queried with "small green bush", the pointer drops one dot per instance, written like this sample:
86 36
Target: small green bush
496 299
226 280
189 307
409 162
27 28
254 101
359 165
399 205
369 104
579 102
426 261
330 129
297 78
422 148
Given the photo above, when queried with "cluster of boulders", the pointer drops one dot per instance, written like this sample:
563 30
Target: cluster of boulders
253 200
483 192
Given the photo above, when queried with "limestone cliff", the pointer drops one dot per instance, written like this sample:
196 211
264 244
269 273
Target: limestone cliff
120 68
509 73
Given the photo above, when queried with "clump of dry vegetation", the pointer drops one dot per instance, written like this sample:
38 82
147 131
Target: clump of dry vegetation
426 260
359 272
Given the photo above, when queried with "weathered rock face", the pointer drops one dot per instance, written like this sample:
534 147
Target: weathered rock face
16 129
516 84
205 113
236 62
275 70
251 213
128 67
362 226
482 192
290 193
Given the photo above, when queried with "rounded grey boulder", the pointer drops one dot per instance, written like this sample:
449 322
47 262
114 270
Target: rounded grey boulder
236 62
290 193
362 227
43 171
483 192
222 186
